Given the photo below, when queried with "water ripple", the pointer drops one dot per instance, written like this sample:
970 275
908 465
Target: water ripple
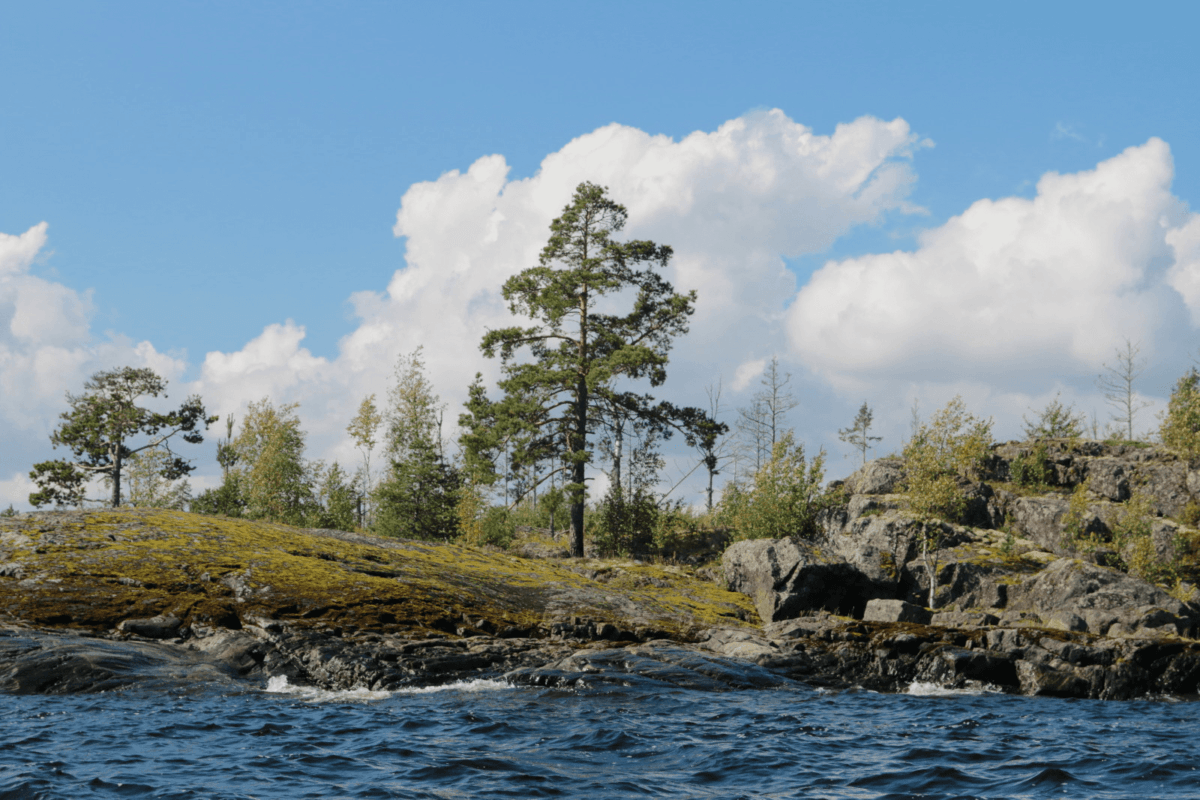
485 740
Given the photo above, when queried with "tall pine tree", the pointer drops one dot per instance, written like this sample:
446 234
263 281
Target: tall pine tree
578 348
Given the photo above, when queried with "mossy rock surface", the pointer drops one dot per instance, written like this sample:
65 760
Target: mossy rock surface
94 569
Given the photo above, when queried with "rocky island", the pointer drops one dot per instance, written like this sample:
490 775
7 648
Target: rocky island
1035 593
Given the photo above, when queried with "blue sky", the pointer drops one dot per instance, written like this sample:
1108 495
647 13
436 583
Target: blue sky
209 170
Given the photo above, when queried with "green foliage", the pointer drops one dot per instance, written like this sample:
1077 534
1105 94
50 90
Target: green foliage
1055 421
858 434
1180 429
948 449
364 430
1132 537
552 402
497 527
8 512
1075 519
275 480
226 456
1032 469
226 499
419 497
1008 548
1190 515
785 497
625 525
147 486
337 501
99 428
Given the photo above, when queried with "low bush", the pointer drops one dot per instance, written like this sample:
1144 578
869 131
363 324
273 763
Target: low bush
1032 470
785 497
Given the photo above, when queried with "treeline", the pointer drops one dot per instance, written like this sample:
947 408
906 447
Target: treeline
412 481
596 317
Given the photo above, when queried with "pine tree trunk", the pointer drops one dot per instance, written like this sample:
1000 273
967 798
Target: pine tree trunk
116 478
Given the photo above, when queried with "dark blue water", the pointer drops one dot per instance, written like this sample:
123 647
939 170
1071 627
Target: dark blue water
487 740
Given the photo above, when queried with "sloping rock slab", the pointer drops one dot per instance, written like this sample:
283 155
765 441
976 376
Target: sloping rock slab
1075 595
652 665
882 476
36 662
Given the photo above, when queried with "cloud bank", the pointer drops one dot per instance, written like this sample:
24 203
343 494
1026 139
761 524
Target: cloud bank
1014 290
1007 302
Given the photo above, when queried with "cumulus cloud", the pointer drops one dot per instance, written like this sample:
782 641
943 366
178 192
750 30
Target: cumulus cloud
988 305
734 203
1004 304
1015 290
46 349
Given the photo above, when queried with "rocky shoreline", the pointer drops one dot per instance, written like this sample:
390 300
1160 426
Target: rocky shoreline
99 600
823 652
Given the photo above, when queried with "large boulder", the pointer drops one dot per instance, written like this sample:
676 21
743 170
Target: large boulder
1166 484
878 546
882 476
1043 521
895 611
1109 478
1075 595
961 585
788 577
1039 519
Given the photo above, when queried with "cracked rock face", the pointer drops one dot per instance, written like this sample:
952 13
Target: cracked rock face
1075 595
785 577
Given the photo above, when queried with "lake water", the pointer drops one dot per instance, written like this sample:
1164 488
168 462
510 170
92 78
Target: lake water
486 739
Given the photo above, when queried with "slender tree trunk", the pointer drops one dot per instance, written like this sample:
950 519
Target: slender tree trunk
618 441
581 407
116 478
577 468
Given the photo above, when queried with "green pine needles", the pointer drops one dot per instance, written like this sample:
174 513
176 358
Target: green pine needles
561 373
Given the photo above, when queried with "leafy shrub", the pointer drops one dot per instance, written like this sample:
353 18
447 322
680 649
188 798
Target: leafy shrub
1180 429
1032 469
625 526
496 527
682 533
226 499
1190 515
1074 521
948 449
1132 536
785 497
1055 421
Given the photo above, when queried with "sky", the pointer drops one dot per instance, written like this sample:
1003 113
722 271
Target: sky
900 202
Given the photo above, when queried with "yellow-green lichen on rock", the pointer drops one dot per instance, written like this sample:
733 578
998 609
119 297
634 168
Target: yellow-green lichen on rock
95 569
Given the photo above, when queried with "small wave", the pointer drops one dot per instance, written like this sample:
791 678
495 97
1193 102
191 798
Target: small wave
278 684
927 689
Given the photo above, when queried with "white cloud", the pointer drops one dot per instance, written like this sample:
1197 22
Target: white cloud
998 304
1014 290
733 203
47 349
1064 131
747 372
1184 275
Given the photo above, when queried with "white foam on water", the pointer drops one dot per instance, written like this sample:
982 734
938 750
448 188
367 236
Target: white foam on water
476 685
278 684
927 689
